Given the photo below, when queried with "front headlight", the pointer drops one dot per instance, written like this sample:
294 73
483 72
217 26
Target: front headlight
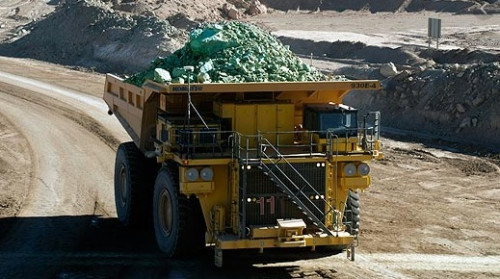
207 174
350 169
363 169
192 174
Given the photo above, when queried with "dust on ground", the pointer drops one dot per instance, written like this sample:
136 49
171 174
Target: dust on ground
71 77
422 202
15 169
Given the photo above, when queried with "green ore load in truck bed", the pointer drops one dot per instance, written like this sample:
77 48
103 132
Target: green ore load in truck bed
229 52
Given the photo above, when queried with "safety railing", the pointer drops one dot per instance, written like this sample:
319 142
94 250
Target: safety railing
202 142
300 143
307 143
295 190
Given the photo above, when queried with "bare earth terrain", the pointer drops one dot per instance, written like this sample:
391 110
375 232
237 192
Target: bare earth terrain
433 210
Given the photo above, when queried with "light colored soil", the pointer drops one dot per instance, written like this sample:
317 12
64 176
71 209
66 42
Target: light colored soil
87 82
72 142
426 200
421 203
15 168
430 213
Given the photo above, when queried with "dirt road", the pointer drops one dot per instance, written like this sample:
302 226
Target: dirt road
475 32
61 141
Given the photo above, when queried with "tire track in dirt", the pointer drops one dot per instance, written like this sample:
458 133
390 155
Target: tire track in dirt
71 161
78 117
64 157
15 170
435 262
92 110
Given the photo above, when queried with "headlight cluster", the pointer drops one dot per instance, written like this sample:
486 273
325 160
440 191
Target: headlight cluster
207 174
362 169
192 174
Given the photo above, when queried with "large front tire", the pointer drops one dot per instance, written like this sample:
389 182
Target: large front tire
352 213
133 184
351 219
171 215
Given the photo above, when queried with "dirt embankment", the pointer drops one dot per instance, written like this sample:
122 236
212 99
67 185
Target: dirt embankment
455 101
450 94
457 6
104 35
93 35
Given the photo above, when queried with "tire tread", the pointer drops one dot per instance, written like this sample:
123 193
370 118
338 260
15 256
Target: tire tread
353 218
142 172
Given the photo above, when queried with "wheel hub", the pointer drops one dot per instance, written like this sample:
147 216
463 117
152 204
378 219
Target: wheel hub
165 213
123 186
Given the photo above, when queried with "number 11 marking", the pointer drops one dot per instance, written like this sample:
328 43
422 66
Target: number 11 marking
270 200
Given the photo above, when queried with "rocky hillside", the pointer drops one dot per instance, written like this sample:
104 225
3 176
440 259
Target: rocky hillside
454 98
448 94
103 35
451 101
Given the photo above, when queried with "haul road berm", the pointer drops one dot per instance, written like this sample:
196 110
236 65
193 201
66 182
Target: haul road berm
243 165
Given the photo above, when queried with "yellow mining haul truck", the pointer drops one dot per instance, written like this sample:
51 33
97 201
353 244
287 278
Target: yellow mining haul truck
243 166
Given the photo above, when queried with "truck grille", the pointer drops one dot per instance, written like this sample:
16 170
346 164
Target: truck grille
264 202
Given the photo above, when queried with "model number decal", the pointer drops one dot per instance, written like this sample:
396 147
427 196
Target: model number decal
184 88
363 85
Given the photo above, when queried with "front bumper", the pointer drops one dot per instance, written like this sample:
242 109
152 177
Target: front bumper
231 242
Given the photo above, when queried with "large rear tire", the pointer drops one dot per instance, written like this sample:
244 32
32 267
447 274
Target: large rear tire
173 216
134 176
352 213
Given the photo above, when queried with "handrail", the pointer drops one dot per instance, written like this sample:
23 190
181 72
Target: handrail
294 170
246 147
300 190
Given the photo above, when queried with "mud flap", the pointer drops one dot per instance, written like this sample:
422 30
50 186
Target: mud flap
351 252
218 257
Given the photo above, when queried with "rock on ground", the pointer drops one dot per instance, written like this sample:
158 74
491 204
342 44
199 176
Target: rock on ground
388 70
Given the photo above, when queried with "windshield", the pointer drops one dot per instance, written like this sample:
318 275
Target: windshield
338 120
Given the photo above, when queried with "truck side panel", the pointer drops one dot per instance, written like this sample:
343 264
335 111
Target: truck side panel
135 108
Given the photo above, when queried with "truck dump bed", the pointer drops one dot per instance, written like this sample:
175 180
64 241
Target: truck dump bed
136 107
